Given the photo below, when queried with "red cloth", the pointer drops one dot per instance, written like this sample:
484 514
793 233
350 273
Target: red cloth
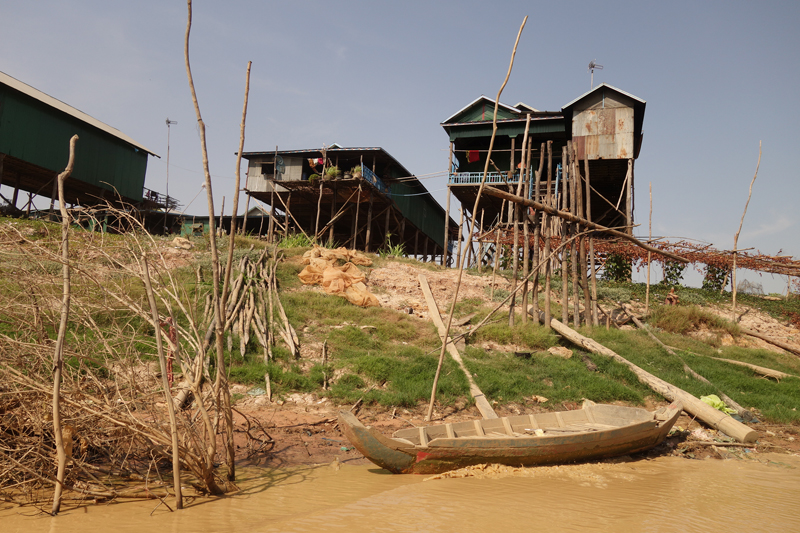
472 156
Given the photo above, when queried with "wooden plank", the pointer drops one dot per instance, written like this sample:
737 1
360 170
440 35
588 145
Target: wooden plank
423 437
449 429
507 426
480 400
478 428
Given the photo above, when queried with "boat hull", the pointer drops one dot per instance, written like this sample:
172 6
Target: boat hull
443 454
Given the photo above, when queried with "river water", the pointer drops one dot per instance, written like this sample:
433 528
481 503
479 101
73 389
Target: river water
665 494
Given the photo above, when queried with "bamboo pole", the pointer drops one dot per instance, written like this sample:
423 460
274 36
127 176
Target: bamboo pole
475 208
492 191
58 352
358 205
736 237
629 198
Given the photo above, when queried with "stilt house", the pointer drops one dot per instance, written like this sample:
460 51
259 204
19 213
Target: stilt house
355 197
602 128
35 130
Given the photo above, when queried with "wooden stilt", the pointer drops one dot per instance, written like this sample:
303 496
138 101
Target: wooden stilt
447 210
355 220
368 234
16 193
583 268
537 233
460 226
548 227
574 187
386 234
244 219
425 250
526 251
287 223
629 198
496 258
416 244
564 237
333 213
481 247
592 273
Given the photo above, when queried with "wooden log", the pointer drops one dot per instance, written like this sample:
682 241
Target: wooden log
497 193
766 372
788 347
433 310
712 417
741 411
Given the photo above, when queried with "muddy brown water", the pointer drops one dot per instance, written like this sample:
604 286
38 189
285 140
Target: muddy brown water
665 494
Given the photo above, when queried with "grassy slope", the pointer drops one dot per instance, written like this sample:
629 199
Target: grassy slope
392 361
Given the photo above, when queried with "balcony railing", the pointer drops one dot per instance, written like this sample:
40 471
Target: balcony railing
474 178
375 180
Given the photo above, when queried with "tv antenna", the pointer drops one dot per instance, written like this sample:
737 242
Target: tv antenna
593 65
166 201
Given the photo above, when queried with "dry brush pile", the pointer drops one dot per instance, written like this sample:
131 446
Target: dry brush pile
114 415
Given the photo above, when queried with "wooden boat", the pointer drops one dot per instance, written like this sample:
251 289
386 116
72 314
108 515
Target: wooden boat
595 431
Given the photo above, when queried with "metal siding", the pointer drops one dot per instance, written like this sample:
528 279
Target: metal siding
423 211
38 134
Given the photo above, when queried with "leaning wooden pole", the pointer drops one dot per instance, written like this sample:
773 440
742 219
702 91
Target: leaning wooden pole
481 402
492 191
58 352
736 237
714 418
222 381
162 360
475 208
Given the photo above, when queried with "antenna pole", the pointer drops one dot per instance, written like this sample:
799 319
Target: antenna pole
166 200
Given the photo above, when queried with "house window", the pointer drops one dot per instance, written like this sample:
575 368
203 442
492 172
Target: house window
268 170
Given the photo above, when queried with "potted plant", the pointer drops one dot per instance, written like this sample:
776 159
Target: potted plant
333 173
312 179
356 171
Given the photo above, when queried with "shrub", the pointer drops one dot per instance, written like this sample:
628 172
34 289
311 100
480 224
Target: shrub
716 278
673 272
617 268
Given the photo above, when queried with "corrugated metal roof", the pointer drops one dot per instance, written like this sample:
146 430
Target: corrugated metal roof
481 97
602 86
68 109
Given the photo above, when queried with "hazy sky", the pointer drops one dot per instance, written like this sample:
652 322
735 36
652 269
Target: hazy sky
717 77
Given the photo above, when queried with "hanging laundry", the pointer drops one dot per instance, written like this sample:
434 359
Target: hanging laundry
472 156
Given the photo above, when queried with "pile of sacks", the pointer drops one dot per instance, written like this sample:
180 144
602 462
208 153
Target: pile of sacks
346 280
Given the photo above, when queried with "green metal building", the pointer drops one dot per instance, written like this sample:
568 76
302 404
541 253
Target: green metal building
35 130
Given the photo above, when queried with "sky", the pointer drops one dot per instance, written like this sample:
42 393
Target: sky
718 77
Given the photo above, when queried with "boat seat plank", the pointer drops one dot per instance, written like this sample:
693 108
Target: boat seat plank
423 437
